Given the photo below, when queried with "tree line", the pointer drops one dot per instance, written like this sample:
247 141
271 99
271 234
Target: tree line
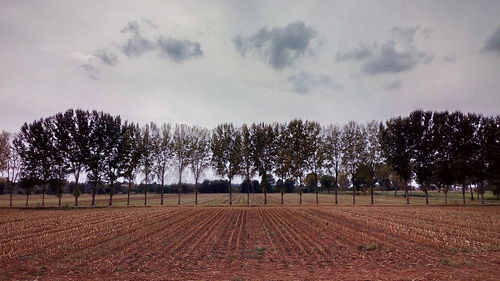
435 149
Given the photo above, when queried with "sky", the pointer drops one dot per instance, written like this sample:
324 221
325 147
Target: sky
209 62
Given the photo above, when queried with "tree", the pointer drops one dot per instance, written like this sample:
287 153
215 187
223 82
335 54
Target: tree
181 145
35 147
12 165
353 143
199 157
423 140
147 160
298 152
332 150
282 157
263 141
132 141
71 131
395 142
326 182
247 162
226 153
4 151
164 153
115 153
315 157
372 154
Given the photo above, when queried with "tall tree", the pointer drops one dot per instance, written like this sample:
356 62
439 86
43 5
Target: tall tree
199 157
423 148
263 151
132 140
226 153
354 144
372 153
282 158
182 144
315 157
297 142
147 160
115 153
247 164
164 153
332 150
396 147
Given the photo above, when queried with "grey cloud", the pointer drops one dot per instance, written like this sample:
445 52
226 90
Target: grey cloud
405 35
107 57
304 82
492 44
449 58
179 50
395 85
358 53
137 44
396 55
90 70
390 60
279 46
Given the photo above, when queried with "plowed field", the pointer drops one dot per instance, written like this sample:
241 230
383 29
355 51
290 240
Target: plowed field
251 243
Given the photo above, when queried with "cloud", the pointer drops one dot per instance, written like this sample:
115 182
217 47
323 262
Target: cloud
449 58
391 60
179 50
305 82
405 35
395 85
357 54
397 54
106 57
90 70
280 46
136 45
492 44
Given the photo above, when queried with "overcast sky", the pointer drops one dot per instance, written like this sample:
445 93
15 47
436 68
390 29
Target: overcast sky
207 62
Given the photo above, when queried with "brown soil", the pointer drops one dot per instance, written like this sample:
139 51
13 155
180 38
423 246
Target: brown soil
252 243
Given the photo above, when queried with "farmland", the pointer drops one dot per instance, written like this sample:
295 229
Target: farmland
390 242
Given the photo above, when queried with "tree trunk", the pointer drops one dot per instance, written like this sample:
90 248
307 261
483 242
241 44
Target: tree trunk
11 193
471 193
426 191
76 191
196 192
406 193
300 194
482 198
94 191
230 193
395 190
353 195
482 192
128 192
281 198
162 191
146 191
60 200
446 197
265 195
463 192
43 195
371 193
248 191
27 198
336 194
111 193
317 197
179 194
